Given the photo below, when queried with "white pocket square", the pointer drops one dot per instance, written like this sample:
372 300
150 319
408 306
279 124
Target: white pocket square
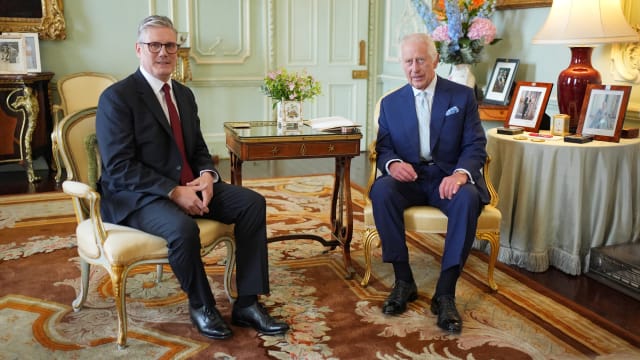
451 111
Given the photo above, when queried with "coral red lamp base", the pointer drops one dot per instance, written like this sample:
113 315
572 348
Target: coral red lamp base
572 84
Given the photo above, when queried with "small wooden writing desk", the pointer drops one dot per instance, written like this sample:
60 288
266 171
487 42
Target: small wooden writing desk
261 140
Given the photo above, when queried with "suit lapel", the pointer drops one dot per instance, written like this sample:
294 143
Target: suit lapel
410 128
441 100
150 100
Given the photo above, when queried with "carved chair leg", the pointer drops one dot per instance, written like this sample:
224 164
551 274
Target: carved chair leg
118 283
159 273
85 270
229 267
368 238
494 241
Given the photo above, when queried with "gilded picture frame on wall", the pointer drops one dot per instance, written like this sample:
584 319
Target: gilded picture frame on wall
603 111
521 4
45 17
504 4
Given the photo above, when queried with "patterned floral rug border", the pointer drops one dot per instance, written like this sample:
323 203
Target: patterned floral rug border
331 317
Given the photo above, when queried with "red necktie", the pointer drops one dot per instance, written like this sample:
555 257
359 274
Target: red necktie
186 174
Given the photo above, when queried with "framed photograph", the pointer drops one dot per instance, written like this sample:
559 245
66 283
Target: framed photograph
603 111
501 81
32 51
527 105
12 55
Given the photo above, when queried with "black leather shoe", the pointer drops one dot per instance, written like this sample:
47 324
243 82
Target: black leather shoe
209 322
402 293
256 316
448 317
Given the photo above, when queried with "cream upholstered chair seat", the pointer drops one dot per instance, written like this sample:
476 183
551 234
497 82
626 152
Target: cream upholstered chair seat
126 245
77 91
115 247
428 219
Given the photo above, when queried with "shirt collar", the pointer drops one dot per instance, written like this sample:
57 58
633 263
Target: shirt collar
155 83
430 88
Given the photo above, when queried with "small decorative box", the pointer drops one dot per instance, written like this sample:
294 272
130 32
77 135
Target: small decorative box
560 125
629 133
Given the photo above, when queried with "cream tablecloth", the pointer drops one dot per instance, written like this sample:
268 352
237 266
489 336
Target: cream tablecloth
559 199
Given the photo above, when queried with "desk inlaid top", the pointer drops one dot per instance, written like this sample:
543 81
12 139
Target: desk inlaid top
260 131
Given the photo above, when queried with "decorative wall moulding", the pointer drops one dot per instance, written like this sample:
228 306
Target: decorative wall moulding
224 46
625 61
45 17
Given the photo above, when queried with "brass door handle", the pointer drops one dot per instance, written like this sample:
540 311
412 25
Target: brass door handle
362 60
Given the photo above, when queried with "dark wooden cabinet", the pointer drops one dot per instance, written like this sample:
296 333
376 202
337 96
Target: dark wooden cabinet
25 119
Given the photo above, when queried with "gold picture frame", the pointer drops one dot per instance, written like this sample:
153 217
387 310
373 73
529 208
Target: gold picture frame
438 5
47 20
521 4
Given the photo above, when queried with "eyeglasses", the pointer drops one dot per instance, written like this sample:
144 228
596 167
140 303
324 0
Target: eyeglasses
155 47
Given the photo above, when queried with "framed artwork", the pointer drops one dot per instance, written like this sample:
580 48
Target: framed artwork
521 4
32 51
12 55
603 111
505 4
501 81
527 105
46 17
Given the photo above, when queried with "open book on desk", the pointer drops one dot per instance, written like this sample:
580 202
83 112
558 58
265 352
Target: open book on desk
332 123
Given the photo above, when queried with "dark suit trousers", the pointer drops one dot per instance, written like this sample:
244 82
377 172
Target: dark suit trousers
230 204
390 198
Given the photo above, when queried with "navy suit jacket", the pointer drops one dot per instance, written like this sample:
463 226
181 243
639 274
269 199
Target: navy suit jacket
140 159
457 138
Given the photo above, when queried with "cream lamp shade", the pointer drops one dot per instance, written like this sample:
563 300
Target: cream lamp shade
585 22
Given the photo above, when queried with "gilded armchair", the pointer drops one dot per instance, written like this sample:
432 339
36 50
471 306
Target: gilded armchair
428 219
117 248
77 91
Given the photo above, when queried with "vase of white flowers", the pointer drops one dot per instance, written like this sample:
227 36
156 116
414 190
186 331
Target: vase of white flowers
288 90
460 29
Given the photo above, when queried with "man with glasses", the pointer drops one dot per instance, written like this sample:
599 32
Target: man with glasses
157 175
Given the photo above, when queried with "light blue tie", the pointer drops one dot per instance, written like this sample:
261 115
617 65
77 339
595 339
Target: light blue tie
424 118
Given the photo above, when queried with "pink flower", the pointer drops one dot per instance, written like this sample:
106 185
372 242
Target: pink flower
441 33
481 28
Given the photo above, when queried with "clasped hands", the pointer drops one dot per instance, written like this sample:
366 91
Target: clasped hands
187 198
449 186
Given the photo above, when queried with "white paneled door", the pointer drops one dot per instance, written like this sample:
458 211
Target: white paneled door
328 39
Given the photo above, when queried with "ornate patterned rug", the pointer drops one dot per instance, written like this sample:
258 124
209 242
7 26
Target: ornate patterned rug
331 317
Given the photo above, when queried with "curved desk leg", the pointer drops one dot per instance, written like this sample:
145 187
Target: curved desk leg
236 168
342 210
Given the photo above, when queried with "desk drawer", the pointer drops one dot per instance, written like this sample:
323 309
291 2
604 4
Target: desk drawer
303 149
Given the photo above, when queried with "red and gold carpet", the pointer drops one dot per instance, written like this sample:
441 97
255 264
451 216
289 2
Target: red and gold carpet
330 317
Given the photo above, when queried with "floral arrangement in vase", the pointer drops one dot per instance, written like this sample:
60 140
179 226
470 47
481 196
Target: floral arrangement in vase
288 90
460 28
284 85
